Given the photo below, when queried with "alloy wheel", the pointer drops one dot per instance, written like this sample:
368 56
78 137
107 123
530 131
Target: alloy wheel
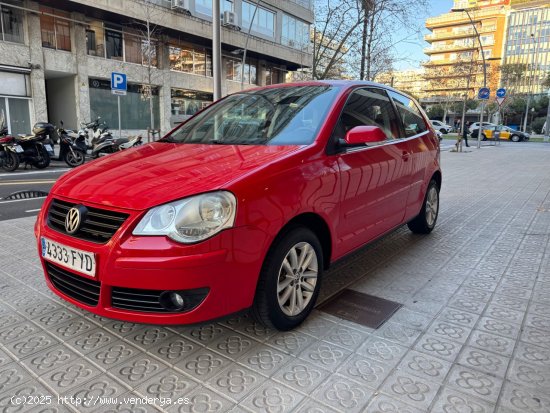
432 206
297 278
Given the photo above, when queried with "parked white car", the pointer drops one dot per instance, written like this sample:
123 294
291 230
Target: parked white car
475 126
440 126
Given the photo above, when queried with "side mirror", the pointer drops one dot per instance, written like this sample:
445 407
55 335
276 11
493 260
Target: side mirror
361 135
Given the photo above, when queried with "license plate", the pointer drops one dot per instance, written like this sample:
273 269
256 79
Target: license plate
48 148
18 148
72 258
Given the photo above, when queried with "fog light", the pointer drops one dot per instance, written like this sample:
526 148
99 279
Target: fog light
172 301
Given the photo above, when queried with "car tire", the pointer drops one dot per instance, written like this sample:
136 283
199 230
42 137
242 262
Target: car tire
444 131
425 221
515 138
483 137
287 291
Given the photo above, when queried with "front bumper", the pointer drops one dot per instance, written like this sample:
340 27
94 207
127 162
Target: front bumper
226 267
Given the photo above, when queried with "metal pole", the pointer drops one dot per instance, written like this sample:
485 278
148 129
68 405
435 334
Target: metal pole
246 44
530 83
119 122
547 130
216 49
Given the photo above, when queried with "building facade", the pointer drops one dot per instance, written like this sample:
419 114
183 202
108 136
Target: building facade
527 50
57 56
412 82
455 65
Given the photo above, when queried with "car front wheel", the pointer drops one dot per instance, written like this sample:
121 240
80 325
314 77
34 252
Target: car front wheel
515 138
425 221
290 280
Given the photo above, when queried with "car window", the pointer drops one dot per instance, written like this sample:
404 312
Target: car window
274 116
413 121
368 107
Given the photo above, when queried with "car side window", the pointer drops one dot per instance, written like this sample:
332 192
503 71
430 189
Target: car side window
413 121
368 107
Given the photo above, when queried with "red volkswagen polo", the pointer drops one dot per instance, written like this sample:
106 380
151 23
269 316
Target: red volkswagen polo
242 206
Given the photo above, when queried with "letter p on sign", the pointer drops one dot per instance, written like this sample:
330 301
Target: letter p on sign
118 83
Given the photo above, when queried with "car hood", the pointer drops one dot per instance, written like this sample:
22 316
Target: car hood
157 173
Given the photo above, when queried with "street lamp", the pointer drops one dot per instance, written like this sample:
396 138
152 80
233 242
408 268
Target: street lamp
484 74
216 49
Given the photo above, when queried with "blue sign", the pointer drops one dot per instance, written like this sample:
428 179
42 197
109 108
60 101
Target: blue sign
484 93
118 83
501 92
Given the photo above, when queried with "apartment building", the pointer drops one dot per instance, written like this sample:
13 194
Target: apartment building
57 56
409 81
527 49
455 65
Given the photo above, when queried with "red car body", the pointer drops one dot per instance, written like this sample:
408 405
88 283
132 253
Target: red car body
274 186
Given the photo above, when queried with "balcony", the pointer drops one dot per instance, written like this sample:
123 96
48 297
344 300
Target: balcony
455 18
448 48
450 35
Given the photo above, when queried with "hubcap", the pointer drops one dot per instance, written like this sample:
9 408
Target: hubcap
297 279
432 206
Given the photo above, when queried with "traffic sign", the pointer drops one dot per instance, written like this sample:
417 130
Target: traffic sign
484 93
500 100
118 84
501 92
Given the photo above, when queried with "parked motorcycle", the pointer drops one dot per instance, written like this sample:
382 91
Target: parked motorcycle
72 147
37 148
95 132
114 145
9 158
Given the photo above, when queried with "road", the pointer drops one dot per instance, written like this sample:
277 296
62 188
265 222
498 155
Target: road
21 180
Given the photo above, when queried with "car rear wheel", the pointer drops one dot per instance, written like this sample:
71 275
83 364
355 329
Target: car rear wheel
290 280
515 138
425 221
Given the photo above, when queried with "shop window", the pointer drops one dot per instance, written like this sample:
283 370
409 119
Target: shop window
11 24
188 102
134 106
233 71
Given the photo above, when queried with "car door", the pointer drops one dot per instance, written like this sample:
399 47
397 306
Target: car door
375 179
422 148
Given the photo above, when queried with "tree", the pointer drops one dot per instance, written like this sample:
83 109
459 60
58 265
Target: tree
354 37
148 31
436 112
546 81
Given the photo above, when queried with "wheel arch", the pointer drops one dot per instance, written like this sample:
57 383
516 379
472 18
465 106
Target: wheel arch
437 178
317 225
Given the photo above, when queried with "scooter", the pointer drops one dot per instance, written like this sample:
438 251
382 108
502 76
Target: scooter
72 149
9 158
95 132
114 145
37 148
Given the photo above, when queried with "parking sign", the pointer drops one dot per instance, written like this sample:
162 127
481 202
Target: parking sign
118 84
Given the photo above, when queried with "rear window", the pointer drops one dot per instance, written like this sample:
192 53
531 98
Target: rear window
413 121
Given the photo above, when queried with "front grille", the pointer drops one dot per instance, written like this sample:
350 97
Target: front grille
149 300
99 225
81 289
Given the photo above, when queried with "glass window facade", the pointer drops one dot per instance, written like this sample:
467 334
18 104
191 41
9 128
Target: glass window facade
120 43
188 102
233 70
11 24
295 33
264 19
56 33
134 107
190 59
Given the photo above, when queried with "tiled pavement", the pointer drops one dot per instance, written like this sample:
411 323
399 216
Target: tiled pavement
473 334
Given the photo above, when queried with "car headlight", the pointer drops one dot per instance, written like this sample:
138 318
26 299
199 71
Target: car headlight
192 219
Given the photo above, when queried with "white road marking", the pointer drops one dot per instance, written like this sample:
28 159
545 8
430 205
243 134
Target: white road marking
33 210
51 171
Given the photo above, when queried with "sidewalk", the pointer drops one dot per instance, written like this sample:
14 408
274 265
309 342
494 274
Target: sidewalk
473 334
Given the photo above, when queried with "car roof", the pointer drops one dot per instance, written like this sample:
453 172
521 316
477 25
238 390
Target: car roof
344 84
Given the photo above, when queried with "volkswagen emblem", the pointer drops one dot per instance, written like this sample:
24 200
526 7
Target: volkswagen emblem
74 219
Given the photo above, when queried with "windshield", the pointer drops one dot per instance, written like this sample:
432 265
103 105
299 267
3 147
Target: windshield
277 116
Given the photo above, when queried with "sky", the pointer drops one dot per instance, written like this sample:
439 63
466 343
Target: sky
410 50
